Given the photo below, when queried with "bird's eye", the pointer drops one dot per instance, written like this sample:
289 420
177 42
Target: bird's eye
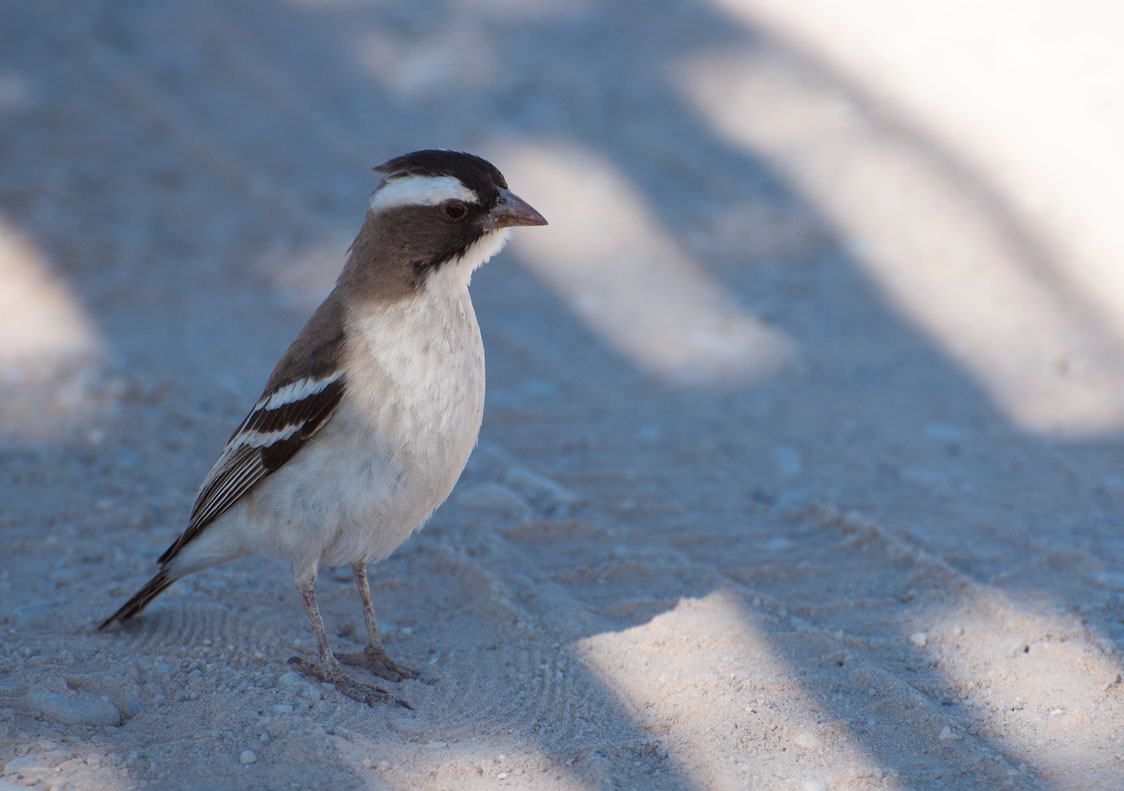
454 209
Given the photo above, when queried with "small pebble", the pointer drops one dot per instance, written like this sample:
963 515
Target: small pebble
26 768
248 757
291 680
74 711
493 500
807 741
946 734
919 639
543 493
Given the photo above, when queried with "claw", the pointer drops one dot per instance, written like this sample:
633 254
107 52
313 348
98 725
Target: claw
375 659
364 693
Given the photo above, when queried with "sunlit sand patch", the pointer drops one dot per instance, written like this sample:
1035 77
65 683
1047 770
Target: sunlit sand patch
1024 94
618 269
926 243
483 763
1036 681
701 675
41 323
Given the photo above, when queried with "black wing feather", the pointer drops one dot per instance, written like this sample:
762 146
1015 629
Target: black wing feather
250 456
313 414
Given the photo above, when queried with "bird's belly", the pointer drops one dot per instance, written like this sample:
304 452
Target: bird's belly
399 487
392 453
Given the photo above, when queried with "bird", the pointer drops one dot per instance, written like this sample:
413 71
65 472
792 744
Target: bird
370 416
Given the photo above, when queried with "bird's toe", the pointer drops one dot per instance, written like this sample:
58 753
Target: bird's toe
375 659
356 690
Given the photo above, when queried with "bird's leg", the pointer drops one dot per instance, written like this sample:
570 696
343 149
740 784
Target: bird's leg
328 669
374 656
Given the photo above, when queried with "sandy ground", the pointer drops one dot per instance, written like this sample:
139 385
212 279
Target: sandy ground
801 461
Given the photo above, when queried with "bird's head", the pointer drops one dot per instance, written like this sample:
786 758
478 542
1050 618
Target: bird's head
435 212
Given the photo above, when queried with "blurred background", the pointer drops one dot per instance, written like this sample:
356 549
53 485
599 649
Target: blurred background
822 345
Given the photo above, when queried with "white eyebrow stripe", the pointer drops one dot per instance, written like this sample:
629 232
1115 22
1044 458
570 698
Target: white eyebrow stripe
420 191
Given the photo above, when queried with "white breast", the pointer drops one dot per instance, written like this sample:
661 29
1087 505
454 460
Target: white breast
394 448
411 415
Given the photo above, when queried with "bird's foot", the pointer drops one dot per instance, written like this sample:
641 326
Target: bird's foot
374 658
333 674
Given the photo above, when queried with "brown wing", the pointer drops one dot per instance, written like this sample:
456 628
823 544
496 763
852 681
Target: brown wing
299 399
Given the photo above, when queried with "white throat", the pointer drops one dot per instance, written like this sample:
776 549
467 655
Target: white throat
457 274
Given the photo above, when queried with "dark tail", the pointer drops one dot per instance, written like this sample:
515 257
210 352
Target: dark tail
153 588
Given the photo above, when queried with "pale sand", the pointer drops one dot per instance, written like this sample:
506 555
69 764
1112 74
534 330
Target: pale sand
801 467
